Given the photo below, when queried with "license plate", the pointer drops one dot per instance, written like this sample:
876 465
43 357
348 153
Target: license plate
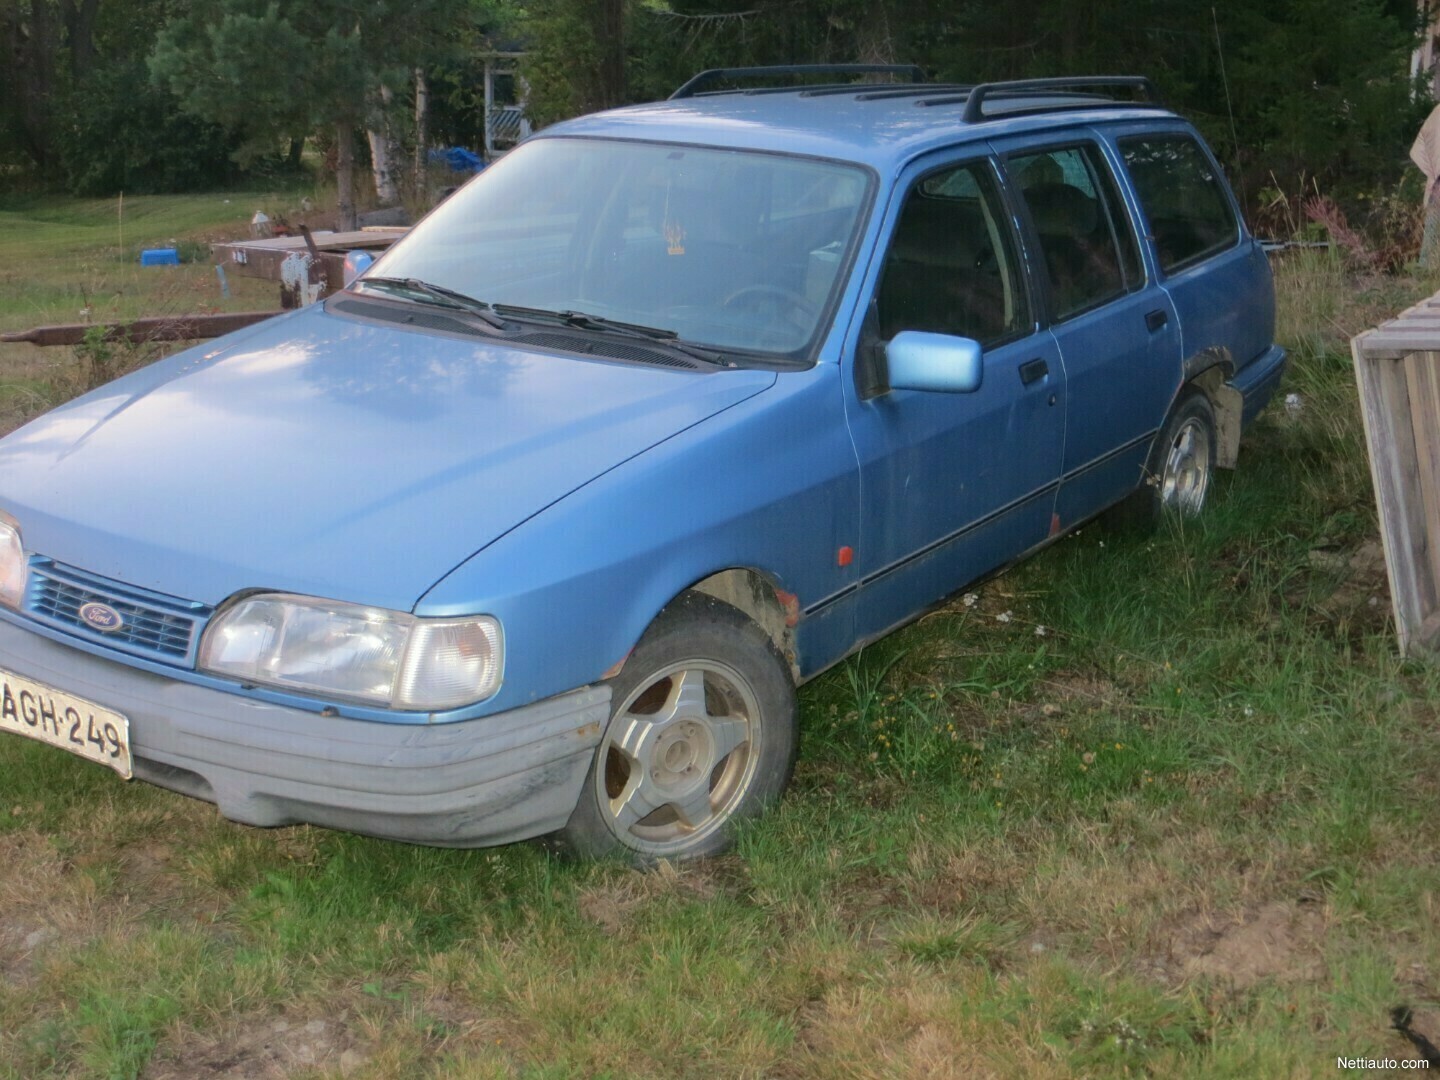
52 716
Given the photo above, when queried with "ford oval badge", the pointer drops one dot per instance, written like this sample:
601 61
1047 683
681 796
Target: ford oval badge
101 617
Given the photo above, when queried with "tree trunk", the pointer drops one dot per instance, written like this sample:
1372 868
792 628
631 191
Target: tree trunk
384 154
382 165
422 110
27 74
297 148
80 34
610 38
345 177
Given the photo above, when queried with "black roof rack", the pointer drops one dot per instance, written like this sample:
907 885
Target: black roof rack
715 75
975 100
884 93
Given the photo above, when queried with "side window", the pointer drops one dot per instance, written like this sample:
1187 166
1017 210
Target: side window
1085 236
1184 200
952 268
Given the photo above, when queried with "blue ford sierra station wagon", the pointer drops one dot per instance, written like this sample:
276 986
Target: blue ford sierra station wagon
536 527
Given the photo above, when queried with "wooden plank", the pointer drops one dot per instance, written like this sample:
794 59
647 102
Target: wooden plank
265 263
1422 378
1412 326
264 258
359 238
1385 410
166 328
1392 344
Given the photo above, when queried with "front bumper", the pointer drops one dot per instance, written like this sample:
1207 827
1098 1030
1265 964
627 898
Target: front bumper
500 778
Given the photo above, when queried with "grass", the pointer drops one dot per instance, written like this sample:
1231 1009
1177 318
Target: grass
63 255
78 260
1145 806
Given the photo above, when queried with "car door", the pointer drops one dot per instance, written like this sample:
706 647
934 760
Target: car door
952 484
1116 329
1204 258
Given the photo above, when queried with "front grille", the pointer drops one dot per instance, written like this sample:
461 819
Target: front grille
154 625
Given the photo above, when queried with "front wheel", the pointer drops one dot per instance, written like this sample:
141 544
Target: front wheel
702 733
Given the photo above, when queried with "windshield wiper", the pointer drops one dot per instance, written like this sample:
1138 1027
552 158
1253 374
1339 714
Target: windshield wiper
581 320
439 294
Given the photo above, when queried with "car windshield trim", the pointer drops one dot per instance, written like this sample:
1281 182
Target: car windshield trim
438 295
579 320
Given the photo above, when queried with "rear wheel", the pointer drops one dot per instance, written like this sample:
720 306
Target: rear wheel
1180 469
702 733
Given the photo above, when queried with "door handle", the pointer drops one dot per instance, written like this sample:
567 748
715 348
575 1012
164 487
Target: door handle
1154 320
1033 369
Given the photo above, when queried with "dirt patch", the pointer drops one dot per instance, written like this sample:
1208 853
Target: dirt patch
1420 1027
1280 941
43 904
1066 690
610 907
20 942
989 869
1359 600
611 903
905 1030
261 1051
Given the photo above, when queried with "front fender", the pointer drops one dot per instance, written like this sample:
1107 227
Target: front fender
770 484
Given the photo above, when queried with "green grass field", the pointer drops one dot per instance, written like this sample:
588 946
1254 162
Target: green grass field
1149 806
78 260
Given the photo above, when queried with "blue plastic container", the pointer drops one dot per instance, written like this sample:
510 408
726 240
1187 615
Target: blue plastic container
159 257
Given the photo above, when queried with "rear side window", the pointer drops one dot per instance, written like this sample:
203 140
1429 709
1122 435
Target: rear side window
1183 198
1085 236
951 268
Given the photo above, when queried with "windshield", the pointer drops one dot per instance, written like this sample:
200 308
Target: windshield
736 250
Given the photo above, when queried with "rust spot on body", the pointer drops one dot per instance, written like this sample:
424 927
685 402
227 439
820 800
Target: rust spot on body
790 604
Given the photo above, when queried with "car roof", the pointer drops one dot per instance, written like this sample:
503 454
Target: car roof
880 130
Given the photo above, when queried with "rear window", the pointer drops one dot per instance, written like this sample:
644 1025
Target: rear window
1183 197
1088 243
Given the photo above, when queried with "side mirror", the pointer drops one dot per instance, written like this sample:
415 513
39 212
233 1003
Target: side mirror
938 362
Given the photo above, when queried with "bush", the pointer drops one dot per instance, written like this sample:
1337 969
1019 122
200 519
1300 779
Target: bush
120 132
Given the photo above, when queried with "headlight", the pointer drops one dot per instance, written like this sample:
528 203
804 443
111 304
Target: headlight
13 569
386 658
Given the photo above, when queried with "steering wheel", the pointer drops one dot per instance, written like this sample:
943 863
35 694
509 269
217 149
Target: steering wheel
775 304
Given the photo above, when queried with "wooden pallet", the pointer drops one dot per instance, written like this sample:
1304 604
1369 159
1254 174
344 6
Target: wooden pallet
1397 367
264 258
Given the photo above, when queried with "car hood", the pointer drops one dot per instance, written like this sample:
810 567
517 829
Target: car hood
321 455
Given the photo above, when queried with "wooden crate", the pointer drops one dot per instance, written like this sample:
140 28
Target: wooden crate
1397 367
264 258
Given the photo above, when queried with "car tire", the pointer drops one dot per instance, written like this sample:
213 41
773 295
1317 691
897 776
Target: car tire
1179 471
702 734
